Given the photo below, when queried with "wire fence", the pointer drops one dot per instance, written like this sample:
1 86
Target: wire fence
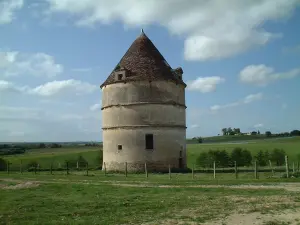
290 169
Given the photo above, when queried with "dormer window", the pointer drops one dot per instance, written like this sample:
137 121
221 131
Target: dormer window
120 76
180 77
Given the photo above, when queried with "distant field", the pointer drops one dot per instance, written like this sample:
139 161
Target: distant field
58 156
234 138
290 145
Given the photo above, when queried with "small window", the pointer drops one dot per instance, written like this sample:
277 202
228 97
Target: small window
149 141
180 154
120 76
180 77
119 147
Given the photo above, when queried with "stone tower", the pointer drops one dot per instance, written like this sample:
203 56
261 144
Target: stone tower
144 112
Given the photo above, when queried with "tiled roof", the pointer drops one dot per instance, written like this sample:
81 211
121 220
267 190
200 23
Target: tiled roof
143 61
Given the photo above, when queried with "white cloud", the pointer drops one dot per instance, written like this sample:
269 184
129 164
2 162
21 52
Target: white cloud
213 29
95 107
205 84
14 63
19 113
63 87
53 88
263 75
7 10
9 87
246 100
253 97
51 124
259 125
195 126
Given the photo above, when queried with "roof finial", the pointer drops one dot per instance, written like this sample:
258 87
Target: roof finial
142 30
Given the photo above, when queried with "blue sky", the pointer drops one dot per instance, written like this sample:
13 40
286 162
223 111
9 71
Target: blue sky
240 61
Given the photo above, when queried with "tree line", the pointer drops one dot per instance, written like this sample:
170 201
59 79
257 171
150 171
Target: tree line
242 157
237 131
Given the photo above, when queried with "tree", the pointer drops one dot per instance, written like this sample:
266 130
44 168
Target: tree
247 157
278 156
236 155
55 145
261 159
224 131
223 158
202 160
236 130
295 133
229 131
258 132
268 133
3 164
42 145
200 140
242 157
253 133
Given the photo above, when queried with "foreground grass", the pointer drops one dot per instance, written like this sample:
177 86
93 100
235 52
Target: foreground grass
96 199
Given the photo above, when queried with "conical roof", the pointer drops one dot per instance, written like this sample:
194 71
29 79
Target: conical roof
143 61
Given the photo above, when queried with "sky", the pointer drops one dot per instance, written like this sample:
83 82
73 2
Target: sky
241 62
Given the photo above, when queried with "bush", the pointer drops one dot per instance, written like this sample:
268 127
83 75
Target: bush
32 165
202 160
278 156
242 157
262 158
73 163
3 164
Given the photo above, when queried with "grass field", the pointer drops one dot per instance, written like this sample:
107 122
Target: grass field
96 199
45 156
42 198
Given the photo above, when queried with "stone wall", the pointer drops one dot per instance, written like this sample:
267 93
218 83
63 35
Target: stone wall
132 110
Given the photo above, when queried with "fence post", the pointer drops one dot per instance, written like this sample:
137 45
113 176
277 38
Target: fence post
287 166
67 168
193 175
87 168
35 169
214 170
294 167
272 170
255 170
51 168
235 170
21 169
169 171
104 168
38 168
298 166
77 165
146 171
125 169
7 166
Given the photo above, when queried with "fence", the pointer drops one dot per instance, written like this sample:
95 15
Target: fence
67 167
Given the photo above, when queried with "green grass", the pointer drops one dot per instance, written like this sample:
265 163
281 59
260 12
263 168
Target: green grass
58 156
99 199
232 138
290 145
77 199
